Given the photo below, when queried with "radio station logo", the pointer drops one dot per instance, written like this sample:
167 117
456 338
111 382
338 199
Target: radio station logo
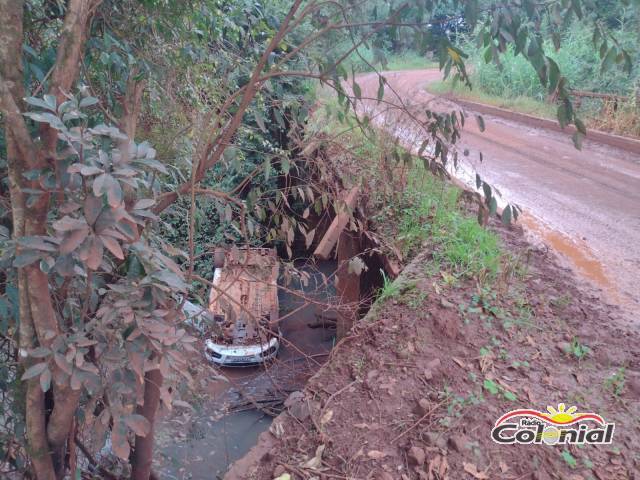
555 426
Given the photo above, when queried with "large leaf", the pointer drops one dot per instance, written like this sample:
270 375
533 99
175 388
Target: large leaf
113 246
34 371
139 424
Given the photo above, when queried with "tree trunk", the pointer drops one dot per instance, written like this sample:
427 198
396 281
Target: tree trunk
143 451
46 441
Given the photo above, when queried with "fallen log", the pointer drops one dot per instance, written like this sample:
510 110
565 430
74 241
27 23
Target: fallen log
323 251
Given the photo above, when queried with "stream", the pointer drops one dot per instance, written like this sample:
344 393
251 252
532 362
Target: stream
203 442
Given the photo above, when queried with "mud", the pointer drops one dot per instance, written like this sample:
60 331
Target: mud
588 201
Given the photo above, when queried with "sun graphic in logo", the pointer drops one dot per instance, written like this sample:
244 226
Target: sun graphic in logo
556 416
562 414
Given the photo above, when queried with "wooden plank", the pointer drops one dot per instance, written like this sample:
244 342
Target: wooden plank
347 284
323 251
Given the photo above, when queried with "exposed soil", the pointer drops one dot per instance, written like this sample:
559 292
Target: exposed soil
416 388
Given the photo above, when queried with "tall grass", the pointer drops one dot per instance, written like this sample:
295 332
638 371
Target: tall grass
514 84
578 60
430 213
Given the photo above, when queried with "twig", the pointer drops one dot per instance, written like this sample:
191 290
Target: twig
419 421
103 471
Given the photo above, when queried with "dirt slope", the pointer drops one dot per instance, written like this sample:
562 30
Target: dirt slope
589 199
414 391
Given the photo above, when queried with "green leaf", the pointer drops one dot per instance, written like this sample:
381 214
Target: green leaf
26 258
45 379
609 59
493 206
34 371
553 74
88 101
563 114
569 459
381 82
487 191
577 138
580 126
37 102
506 215
357 91
260 120
490 386
510 395
50 100
480 121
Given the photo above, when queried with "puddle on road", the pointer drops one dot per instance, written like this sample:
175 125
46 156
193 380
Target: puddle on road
579 255
203 443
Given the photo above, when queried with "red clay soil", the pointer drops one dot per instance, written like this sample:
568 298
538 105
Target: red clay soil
414 391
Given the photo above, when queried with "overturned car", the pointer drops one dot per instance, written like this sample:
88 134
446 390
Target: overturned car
243 304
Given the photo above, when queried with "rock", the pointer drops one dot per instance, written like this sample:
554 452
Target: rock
293 398
416 456
424 405
436 440
403 354
371 380
446 303
564 347
459 443
376 454
434 364
432 370
297 405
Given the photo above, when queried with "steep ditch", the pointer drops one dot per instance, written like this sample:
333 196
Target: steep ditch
229 416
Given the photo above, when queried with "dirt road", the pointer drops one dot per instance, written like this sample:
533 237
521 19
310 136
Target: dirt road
584 204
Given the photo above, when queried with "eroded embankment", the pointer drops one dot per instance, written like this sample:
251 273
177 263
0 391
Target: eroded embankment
415 389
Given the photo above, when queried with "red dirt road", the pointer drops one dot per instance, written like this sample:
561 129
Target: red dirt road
583 204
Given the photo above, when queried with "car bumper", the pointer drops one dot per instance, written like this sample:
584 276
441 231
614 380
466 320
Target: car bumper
241 356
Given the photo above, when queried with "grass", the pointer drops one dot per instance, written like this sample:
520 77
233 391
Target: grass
432 214
409 61
519 104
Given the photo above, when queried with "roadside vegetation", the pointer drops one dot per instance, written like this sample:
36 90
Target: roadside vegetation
514 84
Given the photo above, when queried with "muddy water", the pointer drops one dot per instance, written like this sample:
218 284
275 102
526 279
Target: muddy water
201 444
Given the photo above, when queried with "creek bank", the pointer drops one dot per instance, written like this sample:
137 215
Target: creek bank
415 389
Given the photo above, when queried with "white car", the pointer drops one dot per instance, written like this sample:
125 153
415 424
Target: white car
240 355
244 306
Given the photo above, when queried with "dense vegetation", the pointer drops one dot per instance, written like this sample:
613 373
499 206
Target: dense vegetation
513 83
137 134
